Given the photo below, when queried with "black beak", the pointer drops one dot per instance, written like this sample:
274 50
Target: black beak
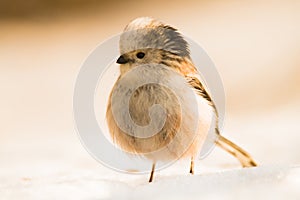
122 60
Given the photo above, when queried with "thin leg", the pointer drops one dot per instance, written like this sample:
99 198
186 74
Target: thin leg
152 173
192 165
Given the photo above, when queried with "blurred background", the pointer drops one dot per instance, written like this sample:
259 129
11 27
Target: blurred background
255 46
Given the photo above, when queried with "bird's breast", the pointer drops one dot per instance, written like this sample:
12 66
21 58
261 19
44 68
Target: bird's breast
160 117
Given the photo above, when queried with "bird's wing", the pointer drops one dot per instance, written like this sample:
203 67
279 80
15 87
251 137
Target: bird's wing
196 84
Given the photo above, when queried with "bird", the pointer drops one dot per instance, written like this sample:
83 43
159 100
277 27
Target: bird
155 51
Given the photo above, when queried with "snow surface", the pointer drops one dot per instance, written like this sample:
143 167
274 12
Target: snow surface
252 183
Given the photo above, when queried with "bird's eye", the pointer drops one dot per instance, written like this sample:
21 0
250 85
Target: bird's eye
140 55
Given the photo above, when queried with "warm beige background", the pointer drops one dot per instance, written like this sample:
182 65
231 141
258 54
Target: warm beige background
255 46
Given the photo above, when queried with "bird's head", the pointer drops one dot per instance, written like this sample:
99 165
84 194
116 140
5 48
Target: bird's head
146 40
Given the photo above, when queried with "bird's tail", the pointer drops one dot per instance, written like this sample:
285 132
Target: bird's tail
245 159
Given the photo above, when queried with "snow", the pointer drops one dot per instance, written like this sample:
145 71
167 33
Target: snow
260 183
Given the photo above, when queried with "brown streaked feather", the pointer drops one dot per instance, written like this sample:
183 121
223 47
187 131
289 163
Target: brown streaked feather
197 85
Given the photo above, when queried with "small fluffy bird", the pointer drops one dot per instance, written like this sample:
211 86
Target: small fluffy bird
158 53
